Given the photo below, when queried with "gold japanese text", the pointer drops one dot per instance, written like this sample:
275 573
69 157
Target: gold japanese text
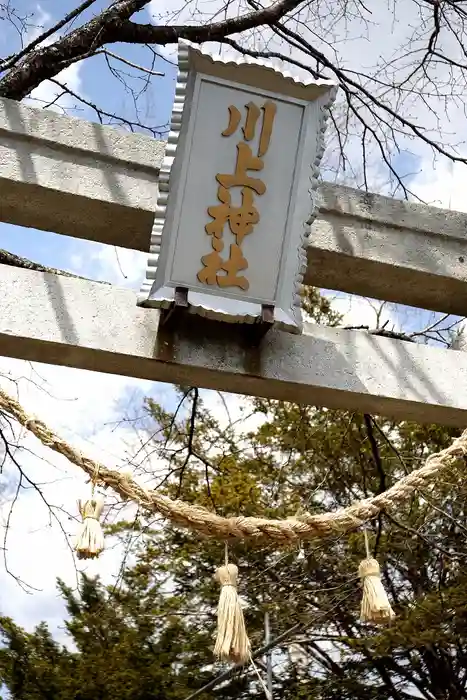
243 218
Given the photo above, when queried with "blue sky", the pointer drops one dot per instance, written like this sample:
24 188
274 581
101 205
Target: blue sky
85 421
86 406
98 87
94 82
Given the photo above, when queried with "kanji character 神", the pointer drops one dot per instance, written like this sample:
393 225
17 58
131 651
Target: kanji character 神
240 219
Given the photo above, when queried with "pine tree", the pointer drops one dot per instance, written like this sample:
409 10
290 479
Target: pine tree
152 635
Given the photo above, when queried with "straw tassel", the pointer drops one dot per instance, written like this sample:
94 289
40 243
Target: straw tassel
375 603
90 539
232 643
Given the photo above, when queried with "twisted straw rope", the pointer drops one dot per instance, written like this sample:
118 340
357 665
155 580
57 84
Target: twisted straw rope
201 520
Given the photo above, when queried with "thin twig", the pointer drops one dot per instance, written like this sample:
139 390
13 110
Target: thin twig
106 52
11 61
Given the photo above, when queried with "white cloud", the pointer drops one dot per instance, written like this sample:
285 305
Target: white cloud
358 311
442 185
41 19
231 410
84 408
48 94
382 42
120 266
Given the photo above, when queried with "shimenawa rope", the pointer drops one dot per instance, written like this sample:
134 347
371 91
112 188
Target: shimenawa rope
301 527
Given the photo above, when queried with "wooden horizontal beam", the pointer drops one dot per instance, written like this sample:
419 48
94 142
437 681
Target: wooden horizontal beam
100 183
72 322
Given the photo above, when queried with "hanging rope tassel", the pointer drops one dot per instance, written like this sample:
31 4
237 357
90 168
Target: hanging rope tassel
232 643
375 603
90 539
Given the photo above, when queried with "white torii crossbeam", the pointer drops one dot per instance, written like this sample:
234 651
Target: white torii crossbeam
66 321
84 180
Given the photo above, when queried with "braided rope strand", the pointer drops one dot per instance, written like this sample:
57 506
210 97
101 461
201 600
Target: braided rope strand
198 519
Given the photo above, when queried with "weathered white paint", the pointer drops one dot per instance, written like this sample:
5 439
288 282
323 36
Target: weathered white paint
71 322
197 152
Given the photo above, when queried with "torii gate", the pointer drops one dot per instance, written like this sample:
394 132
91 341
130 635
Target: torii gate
96 183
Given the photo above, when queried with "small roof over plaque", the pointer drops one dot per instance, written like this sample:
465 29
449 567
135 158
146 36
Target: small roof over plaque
236 189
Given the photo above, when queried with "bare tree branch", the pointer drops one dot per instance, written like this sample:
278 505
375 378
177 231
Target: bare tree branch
114 25
9 63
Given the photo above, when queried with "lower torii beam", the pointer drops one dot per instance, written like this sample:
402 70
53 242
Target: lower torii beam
65 321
